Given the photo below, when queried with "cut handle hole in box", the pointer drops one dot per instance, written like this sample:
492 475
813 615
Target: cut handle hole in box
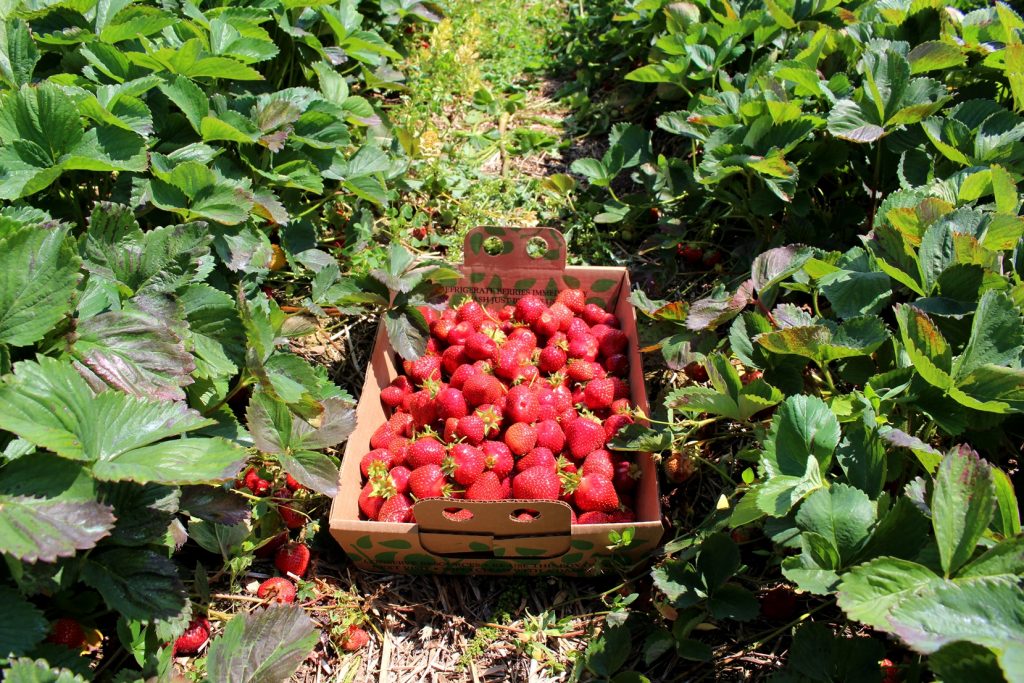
524 515
493 246
537 247
457 514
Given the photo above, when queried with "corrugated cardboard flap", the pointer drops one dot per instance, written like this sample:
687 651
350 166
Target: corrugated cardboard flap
494 528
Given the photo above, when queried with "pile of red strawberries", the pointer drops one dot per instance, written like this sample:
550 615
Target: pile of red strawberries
517 402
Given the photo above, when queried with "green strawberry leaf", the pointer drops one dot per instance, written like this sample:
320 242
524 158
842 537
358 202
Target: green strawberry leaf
40 529
267 645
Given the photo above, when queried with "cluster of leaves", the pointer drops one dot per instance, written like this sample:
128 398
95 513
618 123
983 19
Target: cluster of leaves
777 115
141 365
847 383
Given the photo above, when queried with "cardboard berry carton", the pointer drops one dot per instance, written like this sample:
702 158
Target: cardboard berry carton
491 538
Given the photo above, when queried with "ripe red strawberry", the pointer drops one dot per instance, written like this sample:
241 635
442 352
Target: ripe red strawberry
471 312
577 328
492 419
381 436
551 359
599 393
401 425
621 388
599 462
508 360
529 308
497 458
562 398
614 422
398 449
440 328
573 299
392 482
67 632
486 487
617 365
583 346
524 338
521 438
528 374
391 396
536 483
537 457
595 493
461 374
423 368
521 404
354 639
292 558
453 358
277 589
613 342
194 638
292 518
546 323
249 479
506 312
423 409
290 482
428 481
465 463
397 509
471 428
482 388
583 435
261 488
778 604
594 517
599 331
377 455
451 403
594 314
426 450
460 333
480 347
550 436
563 315
751 376
450 425
622 406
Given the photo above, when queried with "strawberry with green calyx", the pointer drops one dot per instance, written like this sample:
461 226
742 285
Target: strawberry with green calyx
389 483
691 253
376 456
292 559
423 368
470 311
429 481
599 462
615 422
546 323
481 346
482 388
497 458
397 509
492 419
354 638
465 463
277 590
292 518
552 359
369 502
